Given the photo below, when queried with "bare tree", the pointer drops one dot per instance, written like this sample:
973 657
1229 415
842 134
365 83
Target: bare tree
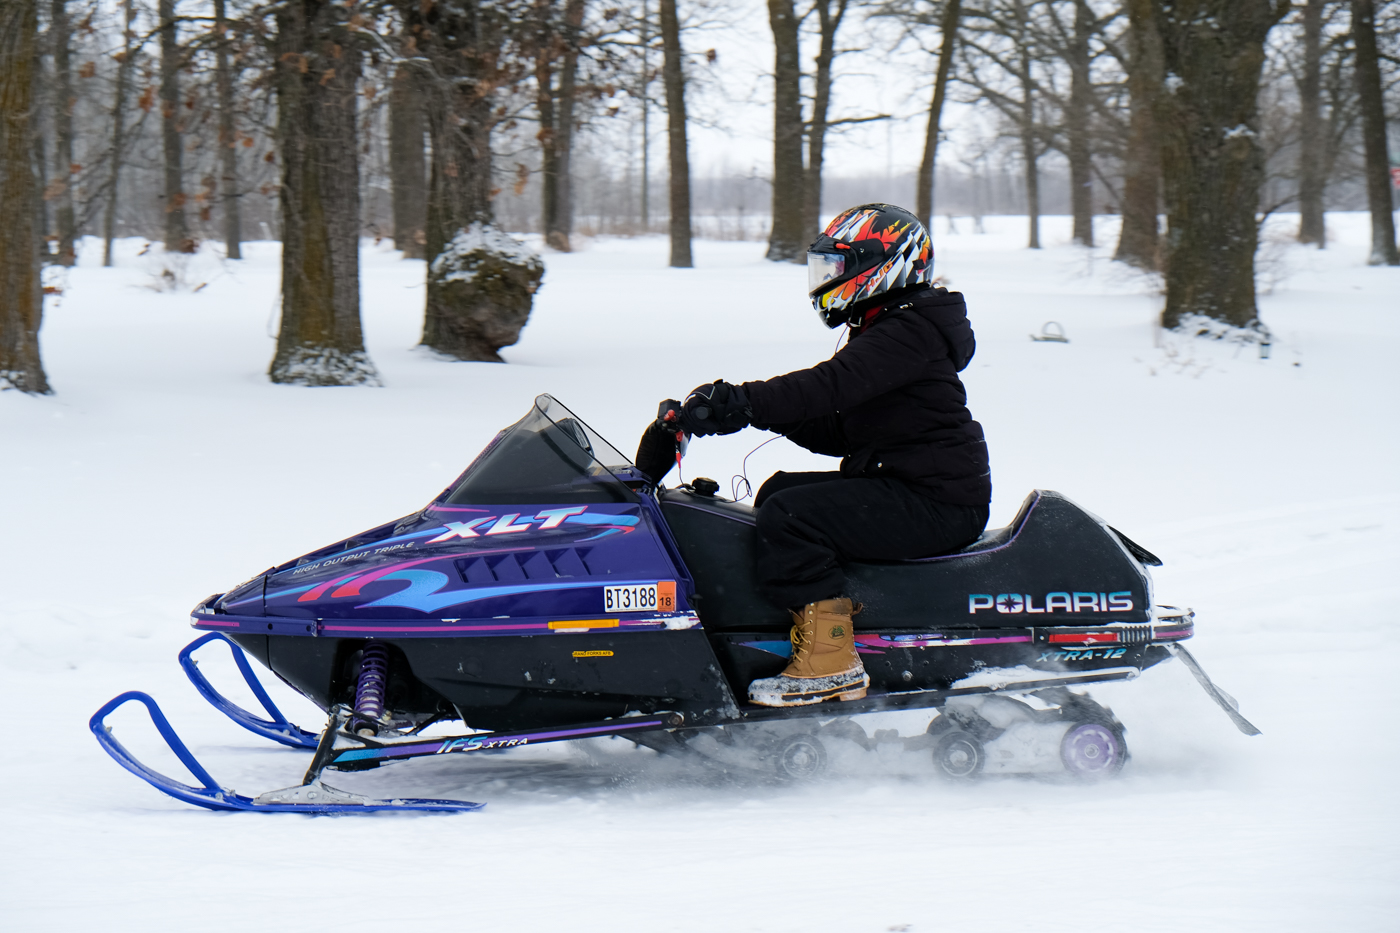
1213 51
1029 145
785 240
407 169
177 235
60 37
830 13
1312 139
1090 122
1139 237
1372 98
21 294
317 62
1077 124
123 80
556 56
1001 54
948 29
673 76
481 283
228 138
643 93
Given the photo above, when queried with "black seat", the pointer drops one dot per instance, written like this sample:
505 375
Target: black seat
1052 547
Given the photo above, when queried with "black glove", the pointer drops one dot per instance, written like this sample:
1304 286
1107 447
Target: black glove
715 408
656 453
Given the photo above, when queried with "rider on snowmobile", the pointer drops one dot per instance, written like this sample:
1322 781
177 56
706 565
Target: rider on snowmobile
914 479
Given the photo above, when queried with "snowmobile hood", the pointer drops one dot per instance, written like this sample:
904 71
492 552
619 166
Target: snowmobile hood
542 523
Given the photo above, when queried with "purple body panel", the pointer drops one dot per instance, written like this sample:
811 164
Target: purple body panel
460 571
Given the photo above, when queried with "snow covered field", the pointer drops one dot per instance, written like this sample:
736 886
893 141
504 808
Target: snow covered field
167 468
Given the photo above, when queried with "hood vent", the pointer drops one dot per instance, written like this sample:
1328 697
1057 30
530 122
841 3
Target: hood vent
523 566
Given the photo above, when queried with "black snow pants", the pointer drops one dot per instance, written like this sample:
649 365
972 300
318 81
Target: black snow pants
809 522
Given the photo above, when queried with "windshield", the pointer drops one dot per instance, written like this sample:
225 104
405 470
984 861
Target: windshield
548 456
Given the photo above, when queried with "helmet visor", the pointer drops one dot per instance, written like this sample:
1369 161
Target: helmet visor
822 268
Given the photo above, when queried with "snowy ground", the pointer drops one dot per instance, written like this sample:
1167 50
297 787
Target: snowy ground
166 468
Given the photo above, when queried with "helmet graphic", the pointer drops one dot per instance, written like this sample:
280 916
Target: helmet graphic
865 253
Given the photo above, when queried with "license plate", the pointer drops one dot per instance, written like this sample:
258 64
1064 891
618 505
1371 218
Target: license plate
640 597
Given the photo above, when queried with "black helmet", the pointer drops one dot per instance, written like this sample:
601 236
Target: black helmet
866 253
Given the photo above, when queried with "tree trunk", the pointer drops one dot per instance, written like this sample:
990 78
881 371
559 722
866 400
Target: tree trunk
544 109
42 104
60 35
228 138
1373 131
407 169
674 79
109 220
560 224
1313 135
1139 239
1081 168
830 22
320 342
1213 51
645 82
1029 152
928 166
481 283
785 239
177 235
21 295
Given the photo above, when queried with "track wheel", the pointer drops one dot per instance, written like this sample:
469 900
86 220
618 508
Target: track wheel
1092 750
959 755
800 757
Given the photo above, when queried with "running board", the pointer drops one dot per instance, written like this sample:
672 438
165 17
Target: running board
922 699
342 750
1221 698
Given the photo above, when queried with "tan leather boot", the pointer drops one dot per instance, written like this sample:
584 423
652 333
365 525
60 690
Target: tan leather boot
824 663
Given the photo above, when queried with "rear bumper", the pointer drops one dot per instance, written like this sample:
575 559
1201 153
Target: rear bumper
1169 624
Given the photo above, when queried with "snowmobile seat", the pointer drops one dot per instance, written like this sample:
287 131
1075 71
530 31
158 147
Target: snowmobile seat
1051 548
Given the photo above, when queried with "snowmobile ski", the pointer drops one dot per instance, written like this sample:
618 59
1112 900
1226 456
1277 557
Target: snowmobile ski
311 798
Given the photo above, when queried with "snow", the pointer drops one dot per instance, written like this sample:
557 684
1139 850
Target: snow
456 262
167 468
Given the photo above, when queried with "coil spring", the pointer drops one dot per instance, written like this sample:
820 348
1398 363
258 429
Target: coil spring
370 689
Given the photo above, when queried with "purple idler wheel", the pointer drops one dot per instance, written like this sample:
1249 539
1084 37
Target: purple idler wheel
1091 750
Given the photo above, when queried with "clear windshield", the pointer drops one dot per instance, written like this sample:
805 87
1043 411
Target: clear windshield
548 456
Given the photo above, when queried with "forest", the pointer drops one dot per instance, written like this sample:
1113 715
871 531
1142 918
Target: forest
447 125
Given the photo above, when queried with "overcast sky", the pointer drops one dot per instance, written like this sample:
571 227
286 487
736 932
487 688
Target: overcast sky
731 101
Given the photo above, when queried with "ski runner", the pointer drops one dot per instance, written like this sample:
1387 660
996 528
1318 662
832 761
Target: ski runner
914 478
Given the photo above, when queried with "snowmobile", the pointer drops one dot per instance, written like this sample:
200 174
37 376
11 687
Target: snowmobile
554 592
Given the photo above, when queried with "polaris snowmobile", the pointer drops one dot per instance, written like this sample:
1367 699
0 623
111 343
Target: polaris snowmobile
553 592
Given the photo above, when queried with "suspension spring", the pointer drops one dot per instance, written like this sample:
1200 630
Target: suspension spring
370 689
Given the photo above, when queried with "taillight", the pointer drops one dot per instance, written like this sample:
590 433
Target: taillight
1083 638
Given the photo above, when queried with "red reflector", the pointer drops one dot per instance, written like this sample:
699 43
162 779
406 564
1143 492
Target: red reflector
1083 638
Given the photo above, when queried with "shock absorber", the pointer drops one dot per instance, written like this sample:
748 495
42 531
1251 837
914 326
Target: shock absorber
370 688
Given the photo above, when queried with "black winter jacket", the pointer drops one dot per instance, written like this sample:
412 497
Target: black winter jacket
890 402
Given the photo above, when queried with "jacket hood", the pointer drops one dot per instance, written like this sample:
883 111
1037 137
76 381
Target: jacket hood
948 312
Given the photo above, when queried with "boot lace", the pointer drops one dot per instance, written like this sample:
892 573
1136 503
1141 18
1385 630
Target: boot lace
799 645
